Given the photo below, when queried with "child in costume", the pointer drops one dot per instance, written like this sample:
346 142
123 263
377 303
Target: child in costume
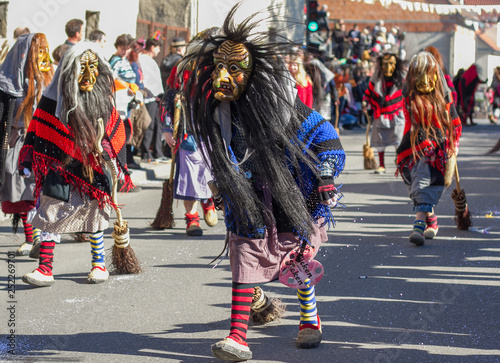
73 187
384 97
192 174
24 74
430 142
274 161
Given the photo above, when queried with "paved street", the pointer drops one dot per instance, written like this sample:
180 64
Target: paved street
381 298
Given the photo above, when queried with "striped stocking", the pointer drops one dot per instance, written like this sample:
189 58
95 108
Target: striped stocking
28 228
308 311
97 249
46 257
240 311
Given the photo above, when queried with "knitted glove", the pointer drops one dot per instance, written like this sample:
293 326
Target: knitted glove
327 192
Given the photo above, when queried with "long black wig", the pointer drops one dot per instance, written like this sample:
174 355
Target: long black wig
268 119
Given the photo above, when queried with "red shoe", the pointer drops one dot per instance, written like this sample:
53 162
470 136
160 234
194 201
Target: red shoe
193 224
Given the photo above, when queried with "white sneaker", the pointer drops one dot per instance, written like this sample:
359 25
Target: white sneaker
37 278
24 249
98 275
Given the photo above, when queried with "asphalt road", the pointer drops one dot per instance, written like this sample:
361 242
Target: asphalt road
381 298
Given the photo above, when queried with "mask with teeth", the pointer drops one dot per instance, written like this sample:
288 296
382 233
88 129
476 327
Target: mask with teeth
88 71
233 66
43 56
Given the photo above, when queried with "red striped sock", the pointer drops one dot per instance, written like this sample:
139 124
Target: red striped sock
432 221
28 228
240 312
381 158
46 257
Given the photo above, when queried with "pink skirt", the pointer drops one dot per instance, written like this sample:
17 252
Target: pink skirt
259 260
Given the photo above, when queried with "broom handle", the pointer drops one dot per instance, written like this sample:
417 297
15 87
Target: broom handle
457 179
368 120
337 117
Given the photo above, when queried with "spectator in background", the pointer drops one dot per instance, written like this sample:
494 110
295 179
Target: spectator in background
20 31
74 31
339 38
303 81
58 53
151 147
177 51
365 39
119 62
123 71
353 38
377 29
98 36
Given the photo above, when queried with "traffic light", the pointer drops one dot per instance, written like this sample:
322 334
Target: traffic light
312 16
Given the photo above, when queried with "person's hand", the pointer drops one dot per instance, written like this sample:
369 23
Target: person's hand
327 193
169 138
26 173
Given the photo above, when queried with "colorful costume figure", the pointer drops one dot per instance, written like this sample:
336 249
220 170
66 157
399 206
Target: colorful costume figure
430 142
23 76
384 97
191 171
467 86
61 147
273 159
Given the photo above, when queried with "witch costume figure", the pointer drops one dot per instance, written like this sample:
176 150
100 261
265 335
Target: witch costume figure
274 161
62 147
426 156
384 97
24 74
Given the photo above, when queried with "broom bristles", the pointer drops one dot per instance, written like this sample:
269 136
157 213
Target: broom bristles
265 310
165 217
124 261
463 216
369 158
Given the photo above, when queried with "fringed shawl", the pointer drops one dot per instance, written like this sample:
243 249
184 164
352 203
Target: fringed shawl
385 103
49 143
407 157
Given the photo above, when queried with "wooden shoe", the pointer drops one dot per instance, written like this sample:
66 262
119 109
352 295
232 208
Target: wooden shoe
36 278
309 336
229 350
97 275
211 218
24 249
380 170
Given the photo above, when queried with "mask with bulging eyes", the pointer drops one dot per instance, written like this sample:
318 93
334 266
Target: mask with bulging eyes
43 56
233 66
88 71
388 65
426 82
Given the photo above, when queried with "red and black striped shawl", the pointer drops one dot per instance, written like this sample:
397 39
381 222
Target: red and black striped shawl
49 142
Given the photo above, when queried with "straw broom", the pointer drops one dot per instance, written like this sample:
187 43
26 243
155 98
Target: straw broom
165 216
368 154
462 213
124 260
